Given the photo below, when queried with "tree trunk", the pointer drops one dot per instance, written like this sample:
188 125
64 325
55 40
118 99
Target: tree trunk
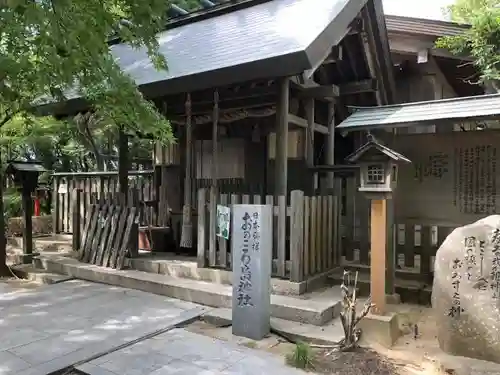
4 270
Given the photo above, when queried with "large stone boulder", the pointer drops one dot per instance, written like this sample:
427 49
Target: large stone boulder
466 291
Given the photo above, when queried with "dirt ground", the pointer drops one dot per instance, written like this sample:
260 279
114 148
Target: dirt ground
410 355
364 361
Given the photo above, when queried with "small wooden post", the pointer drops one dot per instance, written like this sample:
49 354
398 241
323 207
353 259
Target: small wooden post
28 225
378 254
202 199
297 235
134 240
77 235
55 206
330 144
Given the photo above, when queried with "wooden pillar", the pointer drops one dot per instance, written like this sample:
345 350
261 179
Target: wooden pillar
281 171
28 224
378 254
391 250
213 187
281 160
123 164
330 144
187 226
310 145
77 218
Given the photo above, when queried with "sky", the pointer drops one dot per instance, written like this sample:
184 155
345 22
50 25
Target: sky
431 9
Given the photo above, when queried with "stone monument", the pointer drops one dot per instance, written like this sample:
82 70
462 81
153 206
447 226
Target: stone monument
251 248
466 291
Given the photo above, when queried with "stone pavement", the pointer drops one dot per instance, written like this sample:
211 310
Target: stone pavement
48 328
180 352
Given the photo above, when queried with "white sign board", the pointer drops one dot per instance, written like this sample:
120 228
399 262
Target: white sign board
223 221
63 189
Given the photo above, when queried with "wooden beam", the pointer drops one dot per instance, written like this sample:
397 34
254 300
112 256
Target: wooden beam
351 88
334 56
379 45
340 169
302 122
311 89
229 97
370 58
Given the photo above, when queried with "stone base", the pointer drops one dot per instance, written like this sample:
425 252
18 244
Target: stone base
393 299
25 258
381 329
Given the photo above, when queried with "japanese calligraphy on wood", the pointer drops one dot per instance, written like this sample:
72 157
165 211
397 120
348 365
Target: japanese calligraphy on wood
251 250
452 179
475 179
433 166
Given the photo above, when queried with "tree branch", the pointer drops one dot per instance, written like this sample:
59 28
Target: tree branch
7 117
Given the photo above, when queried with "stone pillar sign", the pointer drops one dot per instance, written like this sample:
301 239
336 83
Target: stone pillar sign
251 248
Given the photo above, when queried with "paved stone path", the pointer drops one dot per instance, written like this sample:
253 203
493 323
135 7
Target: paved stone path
180 352
49 328
45 329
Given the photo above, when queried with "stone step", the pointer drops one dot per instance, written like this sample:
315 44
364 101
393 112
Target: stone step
315 308
28 272
187 268
329 334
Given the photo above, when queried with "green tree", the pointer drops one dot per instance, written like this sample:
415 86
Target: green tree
482 40
51 47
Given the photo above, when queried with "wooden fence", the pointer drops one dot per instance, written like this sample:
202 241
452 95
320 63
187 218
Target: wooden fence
306 233
98 186
415 249
107 234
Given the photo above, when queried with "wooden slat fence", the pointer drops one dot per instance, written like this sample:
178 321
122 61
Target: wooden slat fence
98 186
415 246
306 233
106 234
